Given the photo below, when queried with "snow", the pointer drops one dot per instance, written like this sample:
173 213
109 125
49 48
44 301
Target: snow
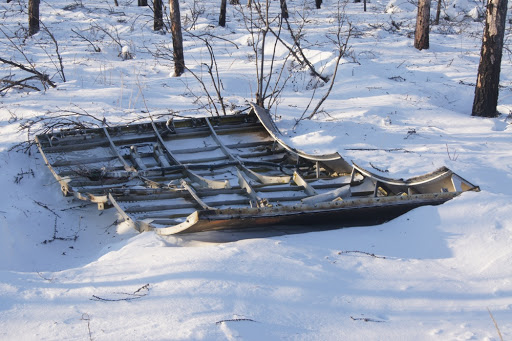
431 274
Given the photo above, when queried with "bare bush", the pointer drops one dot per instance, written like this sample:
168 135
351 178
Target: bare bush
50 121
213 87
113 33
340 38
27 66
259 22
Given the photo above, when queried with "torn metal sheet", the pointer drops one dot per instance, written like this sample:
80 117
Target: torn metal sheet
224 172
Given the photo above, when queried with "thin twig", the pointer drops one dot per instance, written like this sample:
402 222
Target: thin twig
60 68
234 320
45 278
96 48
85 317
46 207
41 76
55 232
296 41
341 53
365 319
380 149
495 325
379 169
131 296
362 252
452 157
19 83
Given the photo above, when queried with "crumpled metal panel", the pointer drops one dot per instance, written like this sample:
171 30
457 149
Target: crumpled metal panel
224 172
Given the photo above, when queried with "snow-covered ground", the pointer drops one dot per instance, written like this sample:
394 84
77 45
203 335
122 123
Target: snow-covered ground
434 273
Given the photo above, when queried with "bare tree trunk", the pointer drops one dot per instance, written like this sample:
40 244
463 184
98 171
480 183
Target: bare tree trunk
177 38
421 35
222 16
438 12
142 2
249 3
488 79
364 5
284 9
116 3
318 3
158 21
33 17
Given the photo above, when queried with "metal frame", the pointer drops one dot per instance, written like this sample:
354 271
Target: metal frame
228 172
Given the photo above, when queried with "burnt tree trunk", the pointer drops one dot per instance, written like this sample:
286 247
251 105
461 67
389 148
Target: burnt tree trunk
158 20
421 41
142 2
284 9
177 38
488 79
33 17
222 16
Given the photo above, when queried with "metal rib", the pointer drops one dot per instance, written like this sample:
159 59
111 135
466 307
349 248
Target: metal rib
116 152
250 173
191 175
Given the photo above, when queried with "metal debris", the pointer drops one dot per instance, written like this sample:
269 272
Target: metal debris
228 172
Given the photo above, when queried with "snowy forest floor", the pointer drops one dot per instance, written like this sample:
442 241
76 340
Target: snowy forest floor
69 271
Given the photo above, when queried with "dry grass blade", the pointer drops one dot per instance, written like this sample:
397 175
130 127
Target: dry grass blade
495 325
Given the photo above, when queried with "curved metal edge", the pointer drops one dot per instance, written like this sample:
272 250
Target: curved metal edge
333 160
414 181
64 183
191 220
432 177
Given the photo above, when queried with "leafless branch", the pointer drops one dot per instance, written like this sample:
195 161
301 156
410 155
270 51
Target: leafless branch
361 252
96 48
51 121
114 36
137 294
452 156
340 39
60 67
296 41
46 207
341 53
55 232
19 83
44 78
259 23
32 69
